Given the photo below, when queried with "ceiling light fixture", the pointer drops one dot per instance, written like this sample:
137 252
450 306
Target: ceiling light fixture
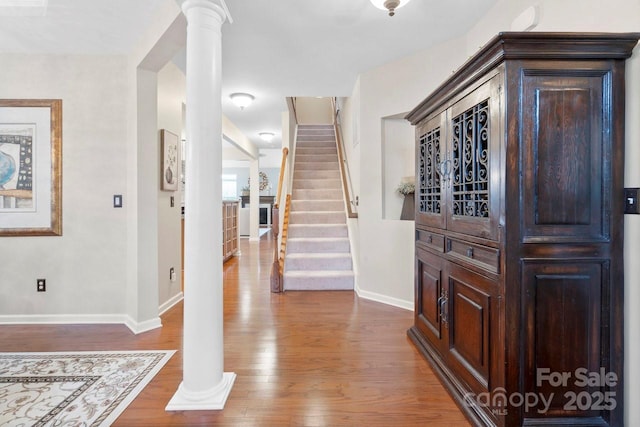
267 136
390 5
242 99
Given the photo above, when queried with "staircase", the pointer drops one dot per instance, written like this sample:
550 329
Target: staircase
318 250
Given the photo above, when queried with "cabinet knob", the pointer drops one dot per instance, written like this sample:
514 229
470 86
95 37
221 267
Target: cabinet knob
470 252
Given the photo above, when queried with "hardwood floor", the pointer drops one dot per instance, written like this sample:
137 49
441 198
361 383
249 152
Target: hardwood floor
302 358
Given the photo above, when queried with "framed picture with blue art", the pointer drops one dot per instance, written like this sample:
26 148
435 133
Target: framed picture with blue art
30 167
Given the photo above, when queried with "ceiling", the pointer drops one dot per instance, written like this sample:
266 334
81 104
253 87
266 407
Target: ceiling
273 48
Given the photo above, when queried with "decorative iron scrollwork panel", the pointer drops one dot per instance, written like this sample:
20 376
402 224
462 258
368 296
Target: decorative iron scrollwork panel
470 162
429 193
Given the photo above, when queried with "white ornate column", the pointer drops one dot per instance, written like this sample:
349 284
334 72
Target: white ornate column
204 384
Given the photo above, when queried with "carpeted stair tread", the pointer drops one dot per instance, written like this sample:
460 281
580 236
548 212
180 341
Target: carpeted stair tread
317 194
317 205
317 217
319 280
317 244
319 261
321 255
317 184
320 273
318 230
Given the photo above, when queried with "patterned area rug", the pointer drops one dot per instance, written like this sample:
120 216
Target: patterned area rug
73 389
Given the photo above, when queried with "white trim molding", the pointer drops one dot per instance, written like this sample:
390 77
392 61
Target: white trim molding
167 305
384 299
81 319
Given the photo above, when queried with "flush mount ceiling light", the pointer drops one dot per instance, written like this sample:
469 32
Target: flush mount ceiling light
266 136
242 99
390 5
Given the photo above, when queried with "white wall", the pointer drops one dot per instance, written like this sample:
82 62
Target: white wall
314 110
386 247
86 267
398 163
171 96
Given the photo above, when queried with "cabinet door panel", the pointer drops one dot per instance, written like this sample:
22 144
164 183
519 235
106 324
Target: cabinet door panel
565 330
471 314
473 156
430 146
429 279
566 181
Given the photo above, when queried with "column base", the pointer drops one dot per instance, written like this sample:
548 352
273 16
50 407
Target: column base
213 399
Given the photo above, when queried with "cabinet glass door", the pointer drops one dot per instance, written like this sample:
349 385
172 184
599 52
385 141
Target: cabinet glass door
474 148
430 146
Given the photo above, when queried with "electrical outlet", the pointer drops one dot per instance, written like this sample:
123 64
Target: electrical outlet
41 285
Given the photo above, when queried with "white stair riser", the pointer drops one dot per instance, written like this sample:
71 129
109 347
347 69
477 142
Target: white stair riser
310 246
313 230
317 263
318 283
303 217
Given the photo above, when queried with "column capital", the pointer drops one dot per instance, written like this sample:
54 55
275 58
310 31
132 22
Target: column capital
217 6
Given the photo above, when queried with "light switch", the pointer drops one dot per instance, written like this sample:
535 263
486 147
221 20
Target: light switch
631 201
117 200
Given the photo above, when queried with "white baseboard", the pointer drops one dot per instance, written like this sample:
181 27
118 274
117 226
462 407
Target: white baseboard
140 327
61 319
81 319
385 299
170 303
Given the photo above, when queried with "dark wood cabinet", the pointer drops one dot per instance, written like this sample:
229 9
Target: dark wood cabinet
519 230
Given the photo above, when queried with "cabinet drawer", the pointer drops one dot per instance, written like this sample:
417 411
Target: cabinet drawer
432 240
482 256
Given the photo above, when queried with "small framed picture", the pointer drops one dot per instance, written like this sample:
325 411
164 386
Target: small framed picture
170 177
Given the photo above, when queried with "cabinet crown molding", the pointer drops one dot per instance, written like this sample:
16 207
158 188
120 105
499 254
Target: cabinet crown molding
527 46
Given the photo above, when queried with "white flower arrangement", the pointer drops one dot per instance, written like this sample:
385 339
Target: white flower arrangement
406 188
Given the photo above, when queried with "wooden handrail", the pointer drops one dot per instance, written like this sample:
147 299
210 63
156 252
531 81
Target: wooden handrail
345 187
276 268
285 232
276 277
291 102
283 164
